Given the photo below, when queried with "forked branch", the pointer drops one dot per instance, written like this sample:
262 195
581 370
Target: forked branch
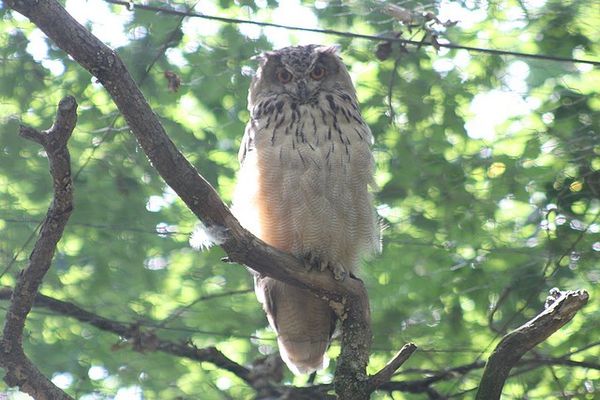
560 309
19 369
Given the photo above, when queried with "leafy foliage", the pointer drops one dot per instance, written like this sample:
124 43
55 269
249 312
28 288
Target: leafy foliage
489 174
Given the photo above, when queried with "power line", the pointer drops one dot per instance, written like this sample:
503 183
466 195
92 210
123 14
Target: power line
172 11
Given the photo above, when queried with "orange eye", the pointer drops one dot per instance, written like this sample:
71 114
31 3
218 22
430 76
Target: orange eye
284 76
318 73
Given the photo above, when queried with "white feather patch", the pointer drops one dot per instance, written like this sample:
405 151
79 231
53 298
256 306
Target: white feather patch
204 236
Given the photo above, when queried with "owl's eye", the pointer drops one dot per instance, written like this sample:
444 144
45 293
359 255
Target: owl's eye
284 76
318 73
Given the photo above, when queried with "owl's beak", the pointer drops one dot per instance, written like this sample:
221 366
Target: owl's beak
302 92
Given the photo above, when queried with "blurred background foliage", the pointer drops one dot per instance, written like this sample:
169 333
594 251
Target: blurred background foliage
488 167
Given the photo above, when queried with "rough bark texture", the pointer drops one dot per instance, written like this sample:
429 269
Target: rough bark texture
19 369
518 342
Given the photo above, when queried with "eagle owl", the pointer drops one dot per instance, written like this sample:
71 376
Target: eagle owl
303 187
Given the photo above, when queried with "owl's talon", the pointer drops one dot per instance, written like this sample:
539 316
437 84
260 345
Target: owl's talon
312 262
339 272
308 265
323 265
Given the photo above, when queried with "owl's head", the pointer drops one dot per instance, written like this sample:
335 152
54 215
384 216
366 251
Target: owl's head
300 72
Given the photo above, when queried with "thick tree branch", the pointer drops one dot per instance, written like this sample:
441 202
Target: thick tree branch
516 343
348 298
19 369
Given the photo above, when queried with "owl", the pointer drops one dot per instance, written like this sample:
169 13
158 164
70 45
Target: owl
304 187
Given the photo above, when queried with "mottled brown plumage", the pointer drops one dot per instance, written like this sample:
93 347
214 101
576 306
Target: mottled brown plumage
303 187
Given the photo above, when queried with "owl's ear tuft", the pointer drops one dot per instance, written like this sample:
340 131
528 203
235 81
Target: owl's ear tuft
333 49
262 58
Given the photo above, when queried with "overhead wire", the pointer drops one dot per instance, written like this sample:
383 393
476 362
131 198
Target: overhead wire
381 38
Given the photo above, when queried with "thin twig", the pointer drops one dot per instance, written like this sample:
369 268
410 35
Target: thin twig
179 311
391 89
111 127
18 252
503 296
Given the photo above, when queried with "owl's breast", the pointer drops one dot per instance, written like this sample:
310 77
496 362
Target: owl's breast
327 134
313 166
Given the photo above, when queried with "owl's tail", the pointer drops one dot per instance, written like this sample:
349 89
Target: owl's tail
304 324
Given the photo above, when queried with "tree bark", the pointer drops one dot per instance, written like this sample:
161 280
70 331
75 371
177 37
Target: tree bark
20 371
518 342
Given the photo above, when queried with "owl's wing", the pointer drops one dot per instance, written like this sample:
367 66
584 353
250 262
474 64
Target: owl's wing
267 294
247 144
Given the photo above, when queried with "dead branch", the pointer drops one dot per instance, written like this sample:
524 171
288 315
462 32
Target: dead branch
516 343
19 369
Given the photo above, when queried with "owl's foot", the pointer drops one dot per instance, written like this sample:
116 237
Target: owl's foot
338 271
313 262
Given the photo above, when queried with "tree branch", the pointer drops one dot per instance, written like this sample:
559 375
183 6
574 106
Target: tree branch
262 379
387 372
140 340
263 376
538 361
424 384
19 369
516 343
348 298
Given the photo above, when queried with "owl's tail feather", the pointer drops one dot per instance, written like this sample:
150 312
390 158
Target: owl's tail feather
304 324
303 356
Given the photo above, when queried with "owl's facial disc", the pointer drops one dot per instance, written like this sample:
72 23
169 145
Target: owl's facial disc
301 86
302 90
302 73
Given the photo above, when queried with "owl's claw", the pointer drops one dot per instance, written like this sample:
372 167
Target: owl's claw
338 271
313 262
308 265
323 265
